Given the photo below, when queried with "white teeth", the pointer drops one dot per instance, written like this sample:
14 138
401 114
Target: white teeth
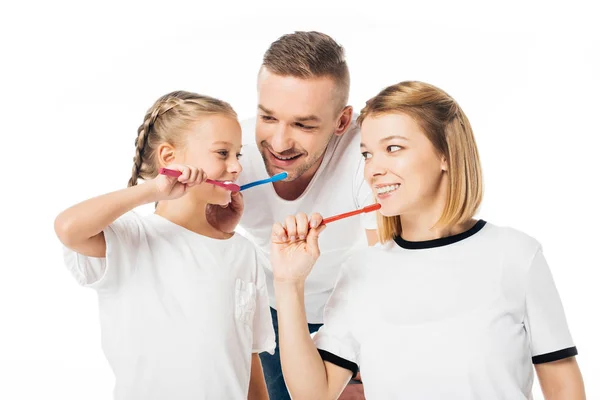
286 158
387 189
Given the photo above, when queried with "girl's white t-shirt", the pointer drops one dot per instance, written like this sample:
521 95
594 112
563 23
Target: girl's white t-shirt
181 313
458 318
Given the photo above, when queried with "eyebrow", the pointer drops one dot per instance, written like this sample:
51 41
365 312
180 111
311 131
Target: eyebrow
387 139
298 119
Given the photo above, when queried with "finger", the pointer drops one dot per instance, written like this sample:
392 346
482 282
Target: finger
312 241
237 202
193 176
201 175
302 225
185 174
315 220
290 227
278 233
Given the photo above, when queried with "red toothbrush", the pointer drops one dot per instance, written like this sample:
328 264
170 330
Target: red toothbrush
366 209
174 173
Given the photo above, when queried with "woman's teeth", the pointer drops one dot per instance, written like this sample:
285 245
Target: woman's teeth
387 189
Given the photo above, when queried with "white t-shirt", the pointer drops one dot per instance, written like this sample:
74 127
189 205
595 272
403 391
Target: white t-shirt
457 318
337 187
180 313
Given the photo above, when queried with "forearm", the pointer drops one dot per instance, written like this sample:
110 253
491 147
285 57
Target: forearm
88 218
301 363
258 387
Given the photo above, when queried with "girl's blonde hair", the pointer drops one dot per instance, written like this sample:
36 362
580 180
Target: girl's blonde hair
447 127
165 122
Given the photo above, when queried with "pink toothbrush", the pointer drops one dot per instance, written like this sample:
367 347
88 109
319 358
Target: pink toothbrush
229 186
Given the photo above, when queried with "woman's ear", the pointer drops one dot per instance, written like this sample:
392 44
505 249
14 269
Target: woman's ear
444 164
166 154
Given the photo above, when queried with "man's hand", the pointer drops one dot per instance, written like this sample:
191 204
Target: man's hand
226 218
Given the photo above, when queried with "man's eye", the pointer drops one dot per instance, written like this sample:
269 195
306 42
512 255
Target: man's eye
267 118
224 153
306 127
238 155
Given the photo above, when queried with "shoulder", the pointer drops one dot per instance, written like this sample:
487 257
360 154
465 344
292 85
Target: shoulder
515 244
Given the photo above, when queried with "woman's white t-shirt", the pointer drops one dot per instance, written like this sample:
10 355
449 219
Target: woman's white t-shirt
181 313
462 317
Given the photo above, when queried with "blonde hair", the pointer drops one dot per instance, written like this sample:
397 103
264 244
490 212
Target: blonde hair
308 55
166 122
448 129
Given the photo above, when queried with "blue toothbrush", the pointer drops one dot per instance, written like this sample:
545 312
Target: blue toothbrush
274 178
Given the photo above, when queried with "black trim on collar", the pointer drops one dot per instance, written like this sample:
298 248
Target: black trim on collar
339 361
555 355
429 244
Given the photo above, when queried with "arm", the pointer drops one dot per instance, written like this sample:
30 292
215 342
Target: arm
307 375
81 226
561 380
258 387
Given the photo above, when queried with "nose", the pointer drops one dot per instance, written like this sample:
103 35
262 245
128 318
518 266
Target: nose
281 139
374 167
234 166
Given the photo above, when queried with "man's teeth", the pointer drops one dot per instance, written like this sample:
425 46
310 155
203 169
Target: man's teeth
387 189
285 158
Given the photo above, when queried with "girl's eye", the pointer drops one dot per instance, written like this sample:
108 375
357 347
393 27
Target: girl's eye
366 155
393 148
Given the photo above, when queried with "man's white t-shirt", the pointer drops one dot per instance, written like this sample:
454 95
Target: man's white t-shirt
180 313
337 187
458 318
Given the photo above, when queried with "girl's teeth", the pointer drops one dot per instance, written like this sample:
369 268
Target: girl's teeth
387 189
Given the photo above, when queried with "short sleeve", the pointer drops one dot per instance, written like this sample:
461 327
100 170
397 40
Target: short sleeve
545 321
363 196
335 340
263 333
104 273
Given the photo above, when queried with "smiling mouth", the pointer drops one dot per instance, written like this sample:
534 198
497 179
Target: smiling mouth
288 158
387 189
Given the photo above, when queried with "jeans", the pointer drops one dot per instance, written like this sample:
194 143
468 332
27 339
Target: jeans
272 365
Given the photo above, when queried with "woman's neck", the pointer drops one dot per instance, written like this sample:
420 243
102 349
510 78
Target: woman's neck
191 215
420 227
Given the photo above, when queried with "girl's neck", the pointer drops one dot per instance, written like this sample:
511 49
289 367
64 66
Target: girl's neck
191 215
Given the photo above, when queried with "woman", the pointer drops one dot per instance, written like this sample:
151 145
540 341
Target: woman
446 306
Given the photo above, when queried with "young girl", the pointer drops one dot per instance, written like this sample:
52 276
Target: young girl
446 307
183 307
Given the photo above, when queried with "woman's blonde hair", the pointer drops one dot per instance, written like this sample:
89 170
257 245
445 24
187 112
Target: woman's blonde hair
447 127
165 122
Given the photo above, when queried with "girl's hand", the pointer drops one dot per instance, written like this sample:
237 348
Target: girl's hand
171 188
295 247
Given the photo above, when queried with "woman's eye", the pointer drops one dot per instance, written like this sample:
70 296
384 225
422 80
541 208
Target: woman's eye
223 153
238 155
393 148
366 155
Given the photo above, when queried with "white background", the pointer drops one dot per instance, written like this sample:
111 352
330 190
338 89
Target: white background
77 77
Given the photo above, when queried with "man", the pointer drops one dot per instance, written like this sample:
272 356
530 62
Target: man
305 128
